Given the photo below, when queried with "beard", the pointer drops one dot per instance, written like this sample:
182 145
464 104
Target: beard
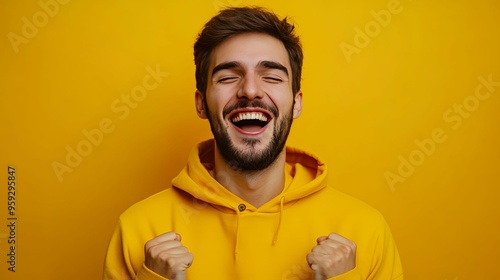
250 159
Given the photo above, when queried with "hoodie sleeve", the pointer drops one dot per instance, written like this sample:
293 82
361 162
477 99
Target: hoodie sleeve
118 264
350 275
147 274
385 264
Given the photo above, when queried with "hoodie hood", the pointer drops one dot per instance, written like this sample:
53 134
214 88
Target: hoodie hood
304 175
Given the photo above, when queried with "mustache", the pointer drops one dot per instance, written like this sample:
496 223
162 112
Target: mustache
245 103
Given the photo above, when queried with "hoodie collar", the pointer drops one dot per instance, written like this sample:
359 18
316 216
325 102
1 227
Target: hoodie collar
304 175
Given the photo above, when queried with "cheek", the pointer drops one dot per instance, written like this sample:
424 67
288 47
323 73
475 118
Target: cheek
215 106
219 100
284 106
280 95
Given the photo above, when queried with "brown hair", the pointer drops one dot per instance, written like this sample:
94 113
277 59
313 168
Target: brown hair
233 21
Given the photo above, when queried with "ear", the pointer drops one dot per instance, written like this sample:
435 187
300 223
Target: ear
297 105
200 105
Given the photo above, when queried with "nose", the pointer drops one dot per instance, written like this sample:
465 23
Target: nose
250 88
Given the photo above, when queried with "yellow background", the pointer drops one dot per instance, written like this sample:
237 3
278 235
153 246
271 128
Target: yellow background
362 113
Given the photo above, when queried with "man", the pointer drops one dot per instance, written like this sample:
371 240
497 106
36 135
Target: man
245 207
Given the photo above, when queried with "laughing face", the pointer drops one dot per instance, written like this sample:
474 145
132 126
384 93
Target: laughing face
249 100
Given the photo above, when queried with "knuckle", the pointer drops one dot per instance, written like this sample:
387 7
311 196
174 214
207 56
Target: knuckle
171 262
151 251
164 257
190 258
328 262
311 258
148 245
353 247
158 250
346 249
183 249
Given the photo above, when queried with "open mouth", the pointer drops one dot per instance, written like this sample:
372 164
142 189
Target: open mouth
250 122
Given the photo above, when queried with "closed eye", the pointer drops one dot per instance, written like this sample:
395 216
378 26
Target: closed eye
273 79
226 79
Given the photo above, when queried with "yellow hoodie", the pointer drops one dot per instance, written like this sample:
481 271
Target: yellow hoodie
231 239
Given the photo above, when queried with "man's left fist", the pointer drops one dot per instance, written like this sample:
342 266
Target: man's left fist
334 255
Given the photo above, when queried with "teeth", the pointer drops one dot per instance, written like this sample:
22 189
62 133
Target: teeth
250 116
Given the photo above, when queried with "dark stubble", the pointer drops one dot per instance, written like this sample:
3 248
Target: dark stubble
250 159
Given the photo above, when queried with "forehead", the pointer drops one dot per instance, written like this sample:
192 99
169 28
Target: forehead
249 49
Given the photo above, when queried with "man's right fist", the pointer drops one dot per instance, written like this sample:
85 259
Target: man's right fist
166 256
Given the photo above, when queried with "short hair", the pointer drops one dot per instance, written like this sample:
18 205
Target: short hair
234 21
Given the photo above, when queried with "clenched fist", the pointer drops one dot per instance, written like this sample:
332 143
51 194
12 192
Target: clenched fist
334 255
166 256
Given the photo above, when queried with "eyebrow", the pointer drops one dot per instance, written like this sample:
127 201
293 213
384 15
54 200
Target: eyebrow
273 65
225 65
265 64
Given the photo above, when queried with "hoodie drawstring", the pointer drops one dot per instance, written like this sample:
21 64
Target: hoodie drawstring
237 234
275 238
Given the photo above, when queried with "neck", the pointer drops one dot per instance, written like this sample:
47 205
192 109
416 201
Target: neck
255 187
